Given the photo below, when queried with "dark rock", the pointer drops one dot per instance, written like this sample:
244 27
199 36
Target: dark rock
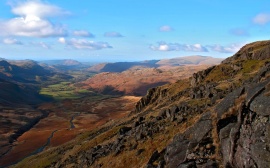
154 157
140 151
174 109
162 113
119 149
228 101
208 164
123 130
134 146
177 151
191 164
140 119
136 124
161 164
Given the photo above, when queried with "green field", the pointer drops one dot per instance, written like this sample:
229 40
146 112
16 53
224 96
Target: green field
64 90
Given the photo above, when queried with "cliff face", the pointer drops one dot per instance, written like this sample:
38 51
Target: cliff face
217 118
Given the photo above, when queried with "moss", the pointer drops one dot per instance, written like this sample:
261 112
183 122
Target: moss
219 73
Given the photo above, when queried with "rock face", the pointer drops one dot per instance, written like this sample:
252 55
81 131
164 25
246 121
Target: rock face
245 139
185 148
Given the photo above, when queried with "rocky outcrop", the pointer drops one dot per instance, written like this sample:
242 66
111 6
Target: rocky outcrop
152 95
199 76
256 51
243 126
192 147
244 134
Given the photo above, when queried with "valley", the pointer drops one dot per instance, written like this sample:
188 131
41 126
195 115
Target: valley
66 101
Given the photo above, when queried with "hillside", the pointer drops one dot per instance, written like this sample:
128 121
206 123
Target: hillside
217 118
137 80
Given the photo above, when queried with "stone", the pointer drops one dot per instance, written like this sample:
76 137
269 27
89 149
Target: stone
124 130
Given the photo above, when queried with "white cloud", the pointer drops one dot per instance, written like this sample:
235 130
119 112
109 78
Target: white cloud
233 48
165 28
262 18
84 44
62 40
32 20
36 8
113 34
163 46
82 33
12 41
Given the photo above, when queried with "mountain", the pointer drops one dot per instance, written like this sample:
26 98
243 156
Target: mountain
137 80
190 60
27 71
219 117
65 62
123 66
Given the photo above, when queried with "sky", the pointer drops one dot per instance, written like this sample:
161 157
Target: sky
129 30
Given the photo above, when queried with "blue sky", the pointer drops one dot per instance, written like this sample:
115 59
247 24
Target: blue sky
129 30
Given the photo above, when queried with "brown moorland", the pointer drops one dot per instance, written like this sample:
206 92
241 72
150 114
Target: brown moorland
137 80
65 121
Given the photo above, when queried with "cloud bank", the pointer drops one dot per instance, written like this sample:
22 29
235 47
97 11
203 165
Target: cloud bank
163 46
233 48
84 44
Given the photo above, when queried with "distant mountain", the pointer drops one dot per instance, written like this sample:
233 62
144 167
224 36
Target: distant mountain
123 66
190 60
23 71
65 62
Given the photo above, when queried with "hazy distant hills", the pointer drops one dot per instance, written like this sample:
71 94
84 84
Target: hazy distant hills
66 62
122 66
190 60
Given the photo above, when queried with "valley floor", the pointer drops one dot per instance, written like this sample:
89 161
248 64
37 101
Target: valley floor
66 120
